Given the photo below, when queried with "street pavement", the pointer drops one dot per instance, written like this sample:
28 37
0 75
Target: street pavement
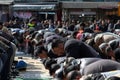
35 68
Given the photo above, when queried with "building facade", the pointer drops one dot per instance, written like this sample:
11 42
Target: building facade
66 9
89 9
43 9
5 9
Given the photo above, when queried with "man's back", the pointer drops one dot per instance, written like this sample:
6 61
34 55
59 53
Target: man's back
79 49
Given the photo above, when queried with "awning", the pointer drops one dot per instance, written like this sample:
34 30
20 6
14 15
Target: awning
33 7
6 2
90 5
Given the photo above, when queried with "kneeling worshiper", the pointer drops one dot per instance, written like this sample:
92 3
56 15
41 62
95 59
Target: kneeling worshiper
41 52
111 75
56 48
102 65
71 48
78 49
73 75
117 54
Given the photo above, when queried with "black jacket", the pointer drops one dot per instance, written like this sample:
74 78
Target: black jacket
79 49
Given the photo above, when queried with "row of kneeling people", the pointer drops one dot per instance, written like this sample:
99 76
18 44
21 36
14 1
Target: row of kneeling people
82 69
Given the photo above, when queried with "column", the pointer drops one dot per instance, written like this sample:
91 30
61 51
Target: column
118 8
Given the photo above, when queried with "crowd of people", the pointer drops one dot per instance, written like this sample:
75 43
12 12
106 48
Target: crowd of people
88 50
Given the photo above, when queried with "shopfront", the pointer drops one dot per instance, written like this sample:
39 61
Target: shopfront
88 10
42 12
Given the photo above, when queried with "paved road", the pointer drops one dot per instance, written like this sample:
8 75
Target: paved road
35 68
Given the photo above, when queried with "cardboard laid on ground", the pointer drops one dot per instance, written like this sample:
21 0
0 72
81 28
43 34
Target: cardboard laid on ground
35 68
